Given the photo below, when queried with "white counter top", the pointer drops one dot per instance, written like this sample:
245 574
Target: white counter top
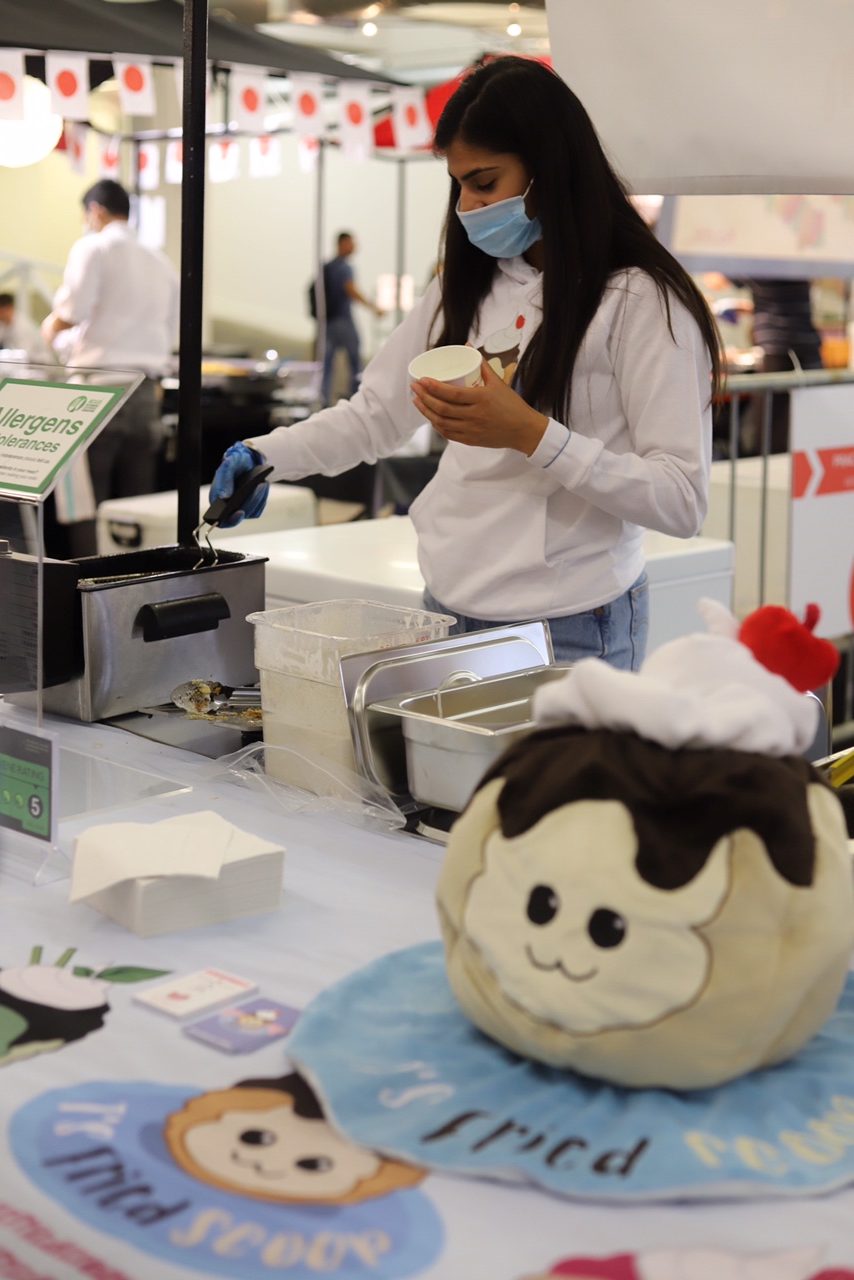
350 896
378 560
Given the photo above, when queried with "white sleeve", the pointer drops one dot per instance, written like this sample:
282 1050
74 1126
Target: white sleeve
664 384
77 295
372 424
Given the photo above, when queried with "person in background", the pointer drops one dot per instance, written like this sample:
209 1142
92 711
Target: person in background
18 333
121 298
341 333
782 326
599 362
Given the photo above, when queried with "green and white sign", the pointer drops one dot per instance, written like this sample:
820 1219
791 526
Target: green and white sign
27 778
42 426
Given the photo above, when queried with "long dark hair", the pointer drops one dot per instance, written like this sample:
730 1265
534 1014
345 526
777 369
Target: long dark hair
590 227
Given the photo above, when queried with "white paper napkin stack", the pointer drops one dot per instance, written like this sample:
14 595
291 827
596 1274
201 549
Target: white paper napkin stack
178 874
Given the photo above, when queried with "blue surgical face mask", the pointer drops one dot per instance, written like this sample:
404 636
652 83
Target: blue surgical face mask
502 229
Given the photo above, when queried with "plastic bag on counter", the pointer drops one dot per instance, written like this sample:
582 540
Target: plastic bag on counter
341 793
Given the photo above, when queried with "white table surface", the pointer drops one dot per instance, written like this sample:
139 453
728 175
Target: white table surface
350 895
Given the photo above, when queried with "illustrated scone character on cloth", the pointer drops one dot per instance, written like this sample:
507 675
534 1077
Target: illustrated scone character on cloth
269 1139
654 887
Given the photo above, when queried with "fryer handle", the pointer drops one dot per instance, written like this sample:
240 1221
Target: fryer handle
186 617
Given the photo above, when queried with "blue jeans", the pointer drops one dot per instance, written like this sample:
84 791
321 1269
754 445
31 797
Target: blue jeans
341 335
615 632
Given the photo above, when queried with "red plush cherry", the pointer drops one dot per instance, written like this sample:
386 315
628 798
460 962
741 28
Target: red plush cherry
788 647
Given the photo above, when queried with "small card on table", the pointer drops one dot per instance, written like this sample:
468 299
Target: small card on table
195 993
241 1028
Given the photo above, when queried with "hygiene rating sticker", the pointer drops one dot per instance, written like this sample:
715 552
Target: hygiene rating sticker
43 424
27 777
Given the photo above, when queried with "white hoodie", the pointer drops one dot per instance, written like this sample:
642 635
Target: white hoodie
507 537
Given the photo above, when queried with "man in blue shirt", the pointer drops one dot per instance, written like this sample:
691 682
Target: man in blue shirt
341 333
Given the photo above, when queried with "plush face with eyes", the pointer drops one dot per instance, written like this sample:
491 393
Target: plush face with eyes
268 1139
595 945
648 916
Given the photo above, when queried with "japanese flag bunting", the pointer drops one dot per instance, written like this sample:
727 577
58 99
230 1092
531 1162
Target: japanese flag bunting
149 166
356 125
247 100
68 80
412 126
75 145
11 84
108 162
174 161
307 105
224 160
265 157
136 85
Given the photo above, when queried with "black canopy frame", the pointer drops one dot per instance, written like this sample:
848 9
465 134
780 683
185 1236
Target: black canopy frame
165 31
154 28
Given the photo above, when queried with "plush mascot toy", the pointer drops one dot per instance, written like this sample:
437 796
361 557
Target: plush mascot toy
654 887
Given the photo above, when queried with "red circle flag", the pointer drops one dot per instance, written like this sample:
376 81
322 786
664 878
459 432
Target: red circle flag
111 159
263 145
307 104
7 87
251 99
133 78
66 83
143 160
411 115
355 114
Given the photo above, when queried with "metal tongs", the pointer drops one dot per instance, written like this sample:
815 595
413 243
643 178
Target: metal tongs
223 509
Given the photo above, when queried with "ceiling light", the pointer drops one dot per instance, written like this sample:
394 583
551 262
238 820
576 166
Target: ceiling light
27 141
369 29
372 11
513 29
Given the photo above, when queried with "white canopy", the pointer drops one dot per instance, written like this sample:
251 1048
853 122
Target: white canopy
715 95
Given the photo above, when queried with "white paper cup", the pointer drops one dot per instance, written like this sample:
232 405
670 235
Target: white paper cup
458 366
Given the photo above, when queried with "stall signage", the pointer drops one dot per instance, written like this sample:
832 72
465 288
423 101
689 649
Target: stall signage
43 425
821 547
190 1177
392 1057
27 781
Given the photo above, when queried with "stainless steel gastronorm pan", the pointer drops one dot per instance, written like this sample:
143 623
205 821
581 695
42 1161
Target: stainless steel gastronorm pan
452 736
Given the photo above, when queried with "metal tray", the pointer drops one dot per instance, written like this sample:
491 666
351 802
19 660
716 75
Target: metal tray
452 736
372 678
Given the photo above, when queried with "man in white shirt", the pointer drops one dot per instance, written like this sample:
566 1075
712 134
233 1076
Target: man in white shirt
121 299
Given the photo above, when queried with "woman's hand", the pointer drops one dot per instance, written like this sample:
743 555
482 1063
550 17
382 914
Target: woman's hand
492 416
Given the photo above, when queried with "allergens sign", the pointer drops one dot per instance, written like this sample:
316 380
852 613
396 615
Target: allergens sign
42 425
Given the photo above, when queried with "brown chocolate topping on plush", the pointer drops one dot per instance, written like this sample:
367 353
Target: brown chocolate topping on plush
681 802
305 1103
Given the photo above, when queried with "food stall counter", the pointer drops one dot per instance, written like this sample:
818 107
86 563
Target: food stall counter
378 560
90 1183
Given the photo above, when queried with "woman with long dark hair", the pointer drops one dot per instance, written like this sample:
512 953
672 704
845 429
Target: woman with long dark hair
600 359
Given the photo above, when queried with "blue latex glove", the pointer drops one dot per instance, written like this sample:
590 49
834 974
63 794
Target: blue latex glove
238 460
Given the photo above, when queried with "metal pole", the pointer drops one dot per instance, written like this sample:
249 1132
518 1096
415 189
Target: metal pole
192 260
401 235
767 404
319 282
734 432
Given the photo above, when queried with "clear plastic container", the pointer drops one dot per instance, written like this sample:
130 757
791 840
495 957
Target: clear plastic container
297 652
